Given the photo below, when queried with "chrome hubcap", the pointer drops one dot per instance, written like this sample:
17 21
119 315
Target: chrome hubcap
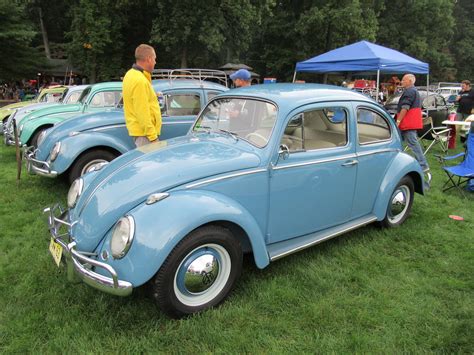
202 274
88 167
399 204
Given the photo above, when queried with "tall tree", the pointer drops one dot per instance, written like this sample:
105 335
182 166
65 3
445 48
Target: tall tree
192 29
18 59
422 29
462 45
95 39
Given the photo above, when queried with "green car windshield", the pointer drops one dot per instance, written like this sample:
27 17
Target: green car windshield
250 119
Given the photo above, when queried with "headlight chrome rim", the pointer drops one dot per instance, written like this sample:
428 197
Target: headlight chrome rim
120 250
55 151
74 192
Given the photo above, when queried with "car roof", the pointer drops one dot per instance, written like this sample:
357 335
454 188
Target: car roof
298 94
107 84
164 84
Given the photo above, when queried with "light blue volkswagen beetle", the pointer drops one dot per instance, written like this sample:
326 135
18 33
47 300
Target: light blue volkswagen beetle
268 169
79 144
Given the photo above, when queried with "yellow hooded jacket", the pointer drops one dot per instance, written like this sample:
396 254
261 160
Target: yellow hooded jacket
140 105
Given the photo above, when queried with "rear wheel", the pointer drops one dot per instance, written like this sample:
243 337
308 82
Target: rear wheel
88 160
199 273
399 204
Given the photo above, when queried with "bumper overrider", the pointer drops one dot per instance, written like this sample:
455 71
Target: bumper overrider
79 265
35 166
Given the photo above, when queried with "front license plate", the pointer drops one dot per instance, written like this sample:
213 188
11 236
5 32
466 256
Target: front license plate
56 251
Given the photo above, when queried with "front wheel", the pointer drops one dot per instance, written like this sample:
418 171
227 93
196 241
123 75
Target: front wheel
89 160
199 273
399 204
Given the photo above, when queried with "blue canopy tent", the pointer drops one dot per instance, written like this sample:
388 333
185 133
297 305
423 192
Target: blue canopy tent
363 56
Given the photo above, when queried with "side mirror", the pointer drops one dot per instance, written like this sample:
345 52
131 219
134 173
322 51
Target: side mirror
284 152
84 107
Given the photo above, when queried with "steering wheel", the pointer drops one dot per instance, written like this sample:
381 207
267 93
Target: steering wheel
256 138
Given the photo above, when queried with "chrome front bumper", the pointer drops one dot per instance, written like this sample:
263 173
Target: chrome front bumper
79 265
35 166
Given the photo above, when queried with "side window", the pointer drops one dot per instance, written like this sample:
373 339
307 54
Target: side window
371 127
316 129
182 105
105 99
72 99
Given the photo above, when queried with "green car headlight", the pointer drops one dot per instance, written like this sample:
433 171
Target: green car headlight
55 151
74 192
122 237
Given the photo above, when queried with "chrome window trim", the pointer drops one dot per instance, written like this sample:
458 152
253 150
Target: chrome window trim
368 108
378 151
315 162
208 181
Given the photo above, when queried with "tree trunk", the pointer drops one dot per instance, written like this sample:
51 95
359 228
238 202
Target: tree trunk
184 57
44 34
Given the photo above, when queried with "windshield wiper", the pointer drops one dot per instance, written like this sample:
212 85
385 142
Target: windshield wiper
232 134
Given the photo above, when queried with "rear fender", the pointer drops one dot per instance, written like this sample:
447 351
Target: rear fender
161 226
402 165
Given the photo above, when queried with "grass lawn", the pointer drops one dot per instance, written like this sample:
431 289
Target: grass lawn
408 289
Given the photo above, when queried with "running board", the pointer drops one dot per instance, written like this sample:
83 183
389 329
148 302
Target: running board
287 247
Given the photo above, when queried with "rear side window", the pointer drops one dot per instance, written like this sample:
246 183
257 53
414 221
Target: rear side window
371 127
181 105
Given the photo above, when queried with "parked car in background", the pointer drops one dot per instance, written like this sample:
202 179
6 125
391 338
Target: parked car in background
69 96
79 144
52 94
434 106
268 169
94 98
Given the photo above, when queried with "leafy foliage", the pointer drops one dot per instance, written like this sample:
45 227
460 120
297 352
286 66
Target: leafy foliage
18 58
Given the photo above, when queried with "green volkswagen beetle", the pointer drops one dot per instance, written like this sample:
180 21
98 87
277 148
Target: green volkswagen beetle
97 97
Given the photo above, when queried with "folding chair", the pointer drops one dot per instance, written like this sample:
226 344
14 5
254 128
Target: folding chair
440 135
459 175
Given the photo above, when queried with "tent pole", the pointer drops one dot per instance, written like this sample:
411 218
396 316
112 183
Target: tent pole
428 83
377 90
294 76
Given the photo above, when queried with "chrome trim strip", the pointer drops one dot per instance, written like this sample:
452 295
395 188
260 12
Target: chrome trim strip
310 244
103 128
255 171
379 151
314 162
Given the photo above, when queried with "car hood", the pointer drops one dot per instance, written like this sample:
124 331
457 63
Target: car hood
78 123
15 105
54 109
128 180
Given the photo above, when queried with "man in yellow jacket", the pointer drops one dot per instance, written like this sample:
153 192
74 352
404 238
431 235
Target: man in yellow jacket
140 104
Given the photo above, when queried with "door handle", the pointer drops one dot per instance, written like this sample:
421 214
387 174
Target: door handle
350 163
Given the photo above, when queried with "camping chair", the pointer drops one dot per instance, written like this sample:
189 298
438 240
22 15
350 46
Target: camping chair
459 175
440 136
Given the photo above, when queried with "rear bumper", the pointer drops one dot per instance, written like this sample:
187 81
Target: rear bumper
81 265
35 166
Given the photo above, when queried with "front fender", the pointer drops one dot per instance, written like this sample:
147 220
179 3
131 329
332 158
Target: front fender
30 127
403 164
72 147
161 226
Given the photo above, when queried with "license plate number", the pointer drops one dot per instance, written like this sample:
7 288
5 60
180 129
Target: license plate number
56 251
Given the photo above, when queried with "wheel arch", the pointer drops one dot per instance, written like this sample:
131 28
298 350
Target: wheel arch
161 226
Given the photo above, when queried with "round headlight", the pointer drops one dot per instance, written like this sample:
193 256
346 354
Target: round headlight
55 151
74 192
122 237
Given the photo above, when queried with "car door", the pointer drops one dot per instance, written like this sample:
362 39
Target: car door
179 111
375 151
313 187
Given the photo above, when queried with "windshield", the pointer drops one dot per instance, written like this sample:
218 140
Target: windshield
249 119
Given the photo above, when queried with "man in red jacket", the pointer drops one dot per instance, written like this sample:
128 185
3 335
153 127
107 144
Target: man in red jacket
409 119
